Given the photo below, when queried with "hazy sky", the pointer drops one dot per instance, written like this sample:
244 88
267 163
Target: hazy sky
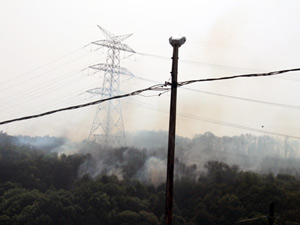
42 57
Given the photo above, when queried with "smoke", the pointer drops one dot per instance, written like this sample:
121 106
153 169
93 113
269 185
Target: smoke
145 165
48 144
154 170
147 160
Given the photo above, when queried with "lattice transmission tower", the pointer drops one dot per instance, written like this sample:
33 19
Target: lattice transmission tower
108 127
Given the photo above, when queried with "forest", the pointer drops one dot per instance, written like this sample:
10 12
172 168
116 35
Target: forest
40 184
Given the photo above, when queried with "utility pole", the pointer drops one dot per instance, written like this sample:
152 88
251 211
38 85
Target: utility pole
176 42
108 128
271 213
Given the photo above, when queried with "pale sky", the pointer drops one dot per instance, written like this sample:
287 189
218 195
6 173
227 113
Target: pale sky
42 55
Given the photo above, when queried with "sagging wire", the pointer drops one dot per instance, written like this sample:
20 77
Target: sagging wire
46 64
159 87
273 73
244 221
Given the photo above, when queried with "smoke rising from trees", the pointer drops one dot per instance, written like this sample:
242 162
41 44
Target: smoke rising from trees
146 157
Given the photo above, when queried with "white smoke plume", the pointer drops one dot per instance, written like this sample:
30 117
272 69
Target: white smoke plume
147 160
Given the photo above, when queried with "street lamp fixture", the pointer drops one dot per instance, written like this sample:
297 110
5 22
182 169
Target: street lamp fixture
177 40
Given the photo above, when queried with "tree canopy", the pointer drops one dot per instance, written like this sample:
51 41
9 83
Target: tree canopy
37 187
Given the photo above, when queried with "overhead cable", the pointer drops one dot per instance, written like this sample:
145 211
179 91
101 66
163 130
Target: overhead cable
159 87
196 62
194 117
247 99
246 220
230 96
40 74
238 76
46 64
213 65
242 127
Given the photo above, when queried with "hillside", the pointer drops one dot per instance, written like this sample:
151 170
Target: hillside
38 187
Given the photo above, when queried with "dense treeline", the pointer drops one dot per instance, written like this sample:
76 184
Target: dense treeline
43 188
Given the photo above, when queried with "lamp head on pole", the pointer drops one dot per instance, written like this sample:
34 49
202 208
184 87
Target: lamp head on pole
177 40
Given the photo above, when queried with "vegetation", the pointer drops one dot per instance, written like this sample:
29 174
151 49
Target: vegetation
37 187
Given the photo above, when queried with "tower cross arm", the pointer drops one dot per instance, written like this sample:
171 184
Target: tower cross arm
95 91
106 33
121 38
110 36
104 67
115 45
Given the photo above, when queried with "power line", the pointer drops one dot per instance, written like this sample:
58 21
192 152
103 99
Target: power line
237 76
190 116
211 64
243 221
29 79
246 99
194 62
236 125
44 88
160 88
46 64
230 96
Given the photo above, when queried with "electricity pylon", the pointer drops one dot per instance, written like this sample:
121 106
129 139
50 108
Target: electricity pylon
108 127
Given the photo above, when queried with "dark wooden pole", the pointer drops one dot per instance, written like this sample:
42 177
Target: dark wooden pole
271 213
176 43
